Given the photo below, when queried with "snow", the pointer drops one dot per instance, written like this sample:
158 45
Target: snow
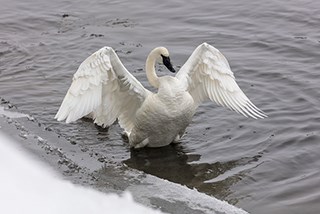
29 187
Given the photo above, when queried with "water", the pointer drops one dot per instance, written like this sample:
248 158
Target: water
262 166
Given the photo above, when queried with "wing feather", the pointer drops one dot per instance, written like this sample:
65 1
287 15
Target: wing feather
103 88
207 75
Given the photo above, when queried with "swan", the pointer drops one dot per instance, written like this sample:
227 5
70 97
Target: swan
104 89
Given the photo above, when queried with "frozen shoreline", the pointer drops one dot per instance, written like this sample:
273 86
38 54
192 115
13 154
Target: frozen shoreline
37 189
80 167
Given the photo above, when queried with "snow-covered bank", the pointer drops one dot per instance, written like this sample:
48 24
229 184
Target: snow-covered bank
80 167
30 187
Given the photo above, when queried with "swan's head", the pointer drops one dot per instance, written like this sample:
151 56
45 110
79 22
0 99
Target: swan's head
163 57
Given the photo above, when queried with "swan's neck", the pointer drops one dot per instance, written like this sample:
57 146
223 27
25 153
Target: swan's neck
150 68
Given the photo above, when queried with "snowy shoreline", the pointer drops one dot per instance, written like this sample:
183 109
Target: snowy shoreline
80 168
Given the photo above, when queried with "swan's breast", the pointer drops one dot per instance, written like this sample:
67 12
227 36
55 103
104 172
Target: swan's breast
170 88
171 100
162 107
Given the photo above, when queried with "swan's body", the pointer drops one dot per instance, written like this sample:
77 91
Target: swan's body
163 117
103 88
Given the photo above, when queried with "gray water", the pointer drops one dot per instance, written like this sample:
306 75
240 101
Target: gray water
262 166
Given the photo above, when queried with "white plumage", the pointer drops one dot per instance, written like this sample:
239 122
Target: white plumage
105 90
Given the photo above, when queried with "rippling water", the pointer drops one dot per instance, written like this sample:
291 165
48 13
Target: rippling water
263 166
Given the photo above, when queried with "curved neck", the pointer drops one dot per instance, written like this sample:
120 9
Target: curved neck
150 68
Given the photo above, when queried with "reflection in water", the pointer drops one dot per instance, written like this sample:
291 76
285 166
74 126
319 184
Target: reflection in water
169 162
94 133
175 164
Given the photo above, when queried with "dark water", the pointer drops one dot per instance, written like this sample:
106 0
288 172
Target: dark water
262 166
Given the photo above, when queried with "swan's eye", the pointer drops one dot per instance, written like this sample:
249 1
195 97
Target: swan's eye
166 61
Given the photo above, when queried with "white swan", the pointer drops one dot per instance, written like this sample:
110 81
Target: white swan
103 88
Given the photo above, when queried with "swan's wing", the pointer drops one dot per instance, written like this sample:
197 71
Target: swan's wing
103 88
207 75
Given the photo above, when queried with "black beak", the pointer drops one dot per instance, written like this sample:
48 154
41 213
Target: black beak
167 63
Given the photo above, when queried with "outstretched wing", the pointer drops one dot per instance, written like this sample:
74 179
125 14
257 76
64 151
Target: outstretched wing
103 88
207 75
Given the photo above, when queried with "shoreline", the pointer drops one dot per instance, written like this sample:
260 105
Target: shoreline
77 165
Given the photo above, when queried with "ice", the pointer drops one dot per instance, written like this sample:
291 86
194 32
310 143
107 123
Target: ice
11 114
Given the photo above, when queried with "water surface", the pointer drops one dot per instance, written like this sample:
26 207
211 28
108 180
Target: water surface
262 166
